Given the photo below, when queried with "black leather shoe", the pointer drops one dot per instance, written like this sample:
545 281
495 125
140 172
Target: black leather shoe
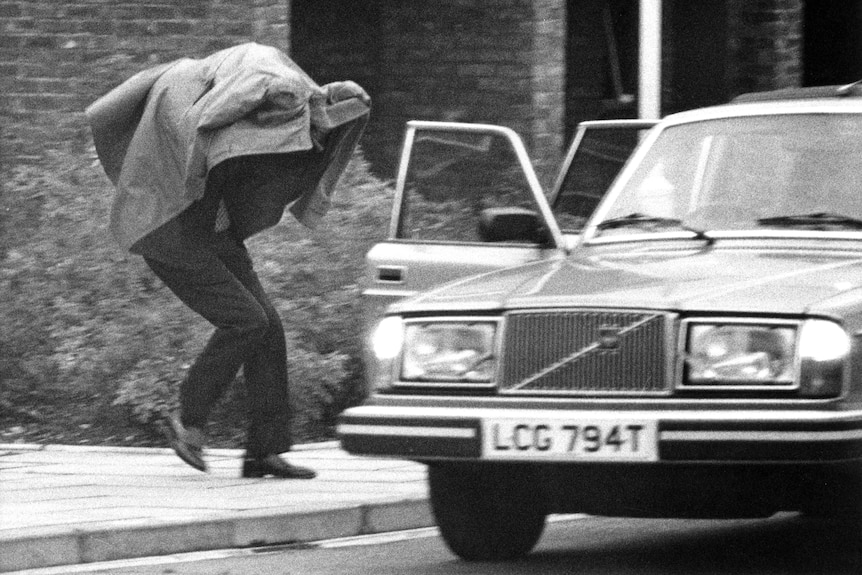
275 466
187 442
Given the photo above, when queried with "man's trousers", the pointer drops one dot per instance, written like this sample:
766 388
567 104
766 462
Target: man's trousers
222 286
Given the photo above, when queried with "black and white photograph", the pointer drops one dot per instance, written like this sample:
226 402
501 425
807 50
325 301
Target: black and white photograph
335 287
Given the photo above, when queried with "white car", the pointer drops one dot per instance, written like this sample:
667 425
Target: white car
695 350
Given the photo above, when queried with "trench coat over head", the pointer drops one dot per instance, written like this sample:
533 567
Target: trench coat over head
159 133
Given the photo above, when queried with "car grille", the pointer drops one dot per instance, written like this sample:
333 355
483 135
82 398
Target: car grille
578 352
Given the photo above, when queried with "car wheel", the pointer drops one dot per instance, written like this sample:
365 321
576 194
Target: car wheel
487 513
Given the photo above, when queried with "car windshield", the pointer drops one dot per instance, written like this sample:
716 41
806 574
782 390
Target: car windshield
777 172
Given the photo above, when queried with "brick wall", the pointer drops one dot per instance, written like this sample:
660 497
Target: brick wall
497 61
766 44
57 56
494 61
548 85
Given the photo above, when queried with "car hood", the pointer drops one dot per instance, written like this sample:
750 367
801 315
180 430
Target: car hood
784 282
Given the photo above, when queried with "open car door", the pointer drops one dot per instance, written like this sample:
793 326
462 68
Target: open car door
467 201
598 152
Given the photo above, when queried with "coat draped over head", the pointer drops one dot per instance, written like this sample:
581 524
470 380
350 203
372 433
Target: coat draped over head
159 133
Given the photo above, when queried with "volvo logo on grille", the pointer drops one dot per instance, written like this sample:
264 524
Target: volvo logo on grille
609 336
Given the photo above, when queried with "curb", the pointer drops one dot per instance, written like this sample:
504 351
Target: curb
57 546
334 444
40 547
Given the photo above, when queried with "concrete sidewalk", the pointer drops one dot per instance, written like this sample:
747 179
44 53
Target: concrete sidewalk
63 505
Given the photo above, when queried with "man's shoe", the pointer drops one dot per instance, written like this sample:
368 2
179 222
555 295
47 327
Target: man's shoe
187 442
275 466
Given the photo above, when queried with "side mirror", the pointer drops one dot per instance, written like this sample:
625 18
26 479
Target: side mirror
512 225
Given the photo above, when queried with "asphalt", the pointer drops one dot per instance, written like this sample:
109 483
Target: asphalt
67 505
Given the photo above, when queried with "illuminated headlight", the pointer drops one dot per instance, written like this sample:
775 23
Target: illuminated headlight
385 347
823 350
823 341
807 355
387 338
449 351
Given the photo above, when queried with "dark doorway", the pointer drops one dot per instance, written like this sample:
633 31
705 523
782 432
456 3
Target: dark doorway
698 46
602 57
832 48
335 40
601 60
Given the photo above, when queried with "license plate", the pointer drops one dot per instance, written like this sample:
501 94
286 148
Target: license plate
587 440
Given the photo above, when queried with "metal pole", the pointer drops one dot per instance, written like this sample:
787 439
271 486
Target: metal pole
649 75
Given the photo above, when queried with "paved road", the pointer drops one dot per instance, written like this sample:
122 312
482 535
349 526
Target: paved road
586 545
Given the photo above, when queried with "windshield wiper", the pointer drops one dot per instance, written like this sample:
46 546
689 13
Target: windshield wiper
638 219
818 219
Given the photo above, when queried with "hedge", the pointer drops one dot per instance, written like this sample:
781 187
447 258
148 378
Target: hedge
83 322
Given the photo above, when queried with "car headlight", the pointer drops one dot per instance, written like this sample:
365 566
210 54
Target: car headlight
449 351
806 355
384 345
740 353
387 338
823 350
823 341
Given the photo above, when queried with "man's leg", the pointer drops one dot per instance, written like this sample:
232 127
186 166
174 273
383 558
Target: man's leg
265 371
265 366
241 324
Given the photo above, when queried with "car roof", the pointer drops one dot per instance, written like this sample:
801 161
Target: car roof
814 100
853 90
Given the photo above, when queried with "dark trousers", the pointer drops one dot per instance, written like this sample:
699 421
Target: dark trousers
221 285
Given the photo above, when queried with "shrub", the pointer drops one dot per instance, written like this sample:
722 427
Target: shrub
85 323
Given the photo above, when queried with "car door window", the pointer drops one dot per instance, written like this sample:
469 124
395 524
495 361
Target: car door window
598 153
453 178
467 202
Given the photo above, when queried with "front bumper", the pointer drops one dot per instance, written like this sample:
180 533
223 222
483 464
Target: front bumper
684 436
